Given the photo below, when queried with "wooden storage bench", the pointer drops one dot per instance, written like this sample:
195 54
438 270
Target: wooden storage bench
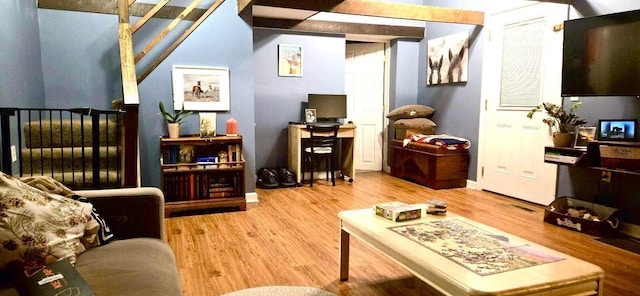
430 165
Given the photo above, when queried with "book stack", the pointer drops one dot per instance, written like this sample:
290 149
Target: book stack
398 211
436 207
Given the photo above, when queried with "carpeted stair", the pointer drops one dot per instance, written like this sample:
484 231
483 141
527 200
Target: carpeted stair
62 149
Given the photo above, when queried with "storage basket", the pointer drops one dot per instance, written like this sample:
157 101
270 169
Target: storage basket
556 214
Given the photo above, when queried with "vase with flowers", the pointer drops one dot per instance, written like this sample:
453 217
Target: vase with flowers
562 123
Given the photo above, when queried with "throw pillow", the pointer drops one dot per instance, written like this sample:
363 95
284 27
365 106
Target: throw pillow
36 227
414 123
411 111
97 233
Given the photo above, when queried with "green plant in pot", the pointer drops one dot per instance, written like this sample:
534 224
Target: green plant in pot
562 123
173 119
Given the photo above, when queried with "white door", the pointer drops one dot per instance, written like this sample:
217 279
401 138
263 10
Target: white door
522 68
364 86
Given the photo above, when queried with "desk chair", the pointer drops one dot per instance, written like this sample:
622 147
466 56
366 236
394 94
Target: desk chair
321 145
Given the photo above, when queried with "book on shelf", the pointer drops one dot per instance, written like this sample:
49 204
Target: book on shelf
398 211
58 278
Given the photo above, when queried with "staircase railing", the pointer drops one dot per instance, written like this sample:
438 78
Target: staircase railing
81 148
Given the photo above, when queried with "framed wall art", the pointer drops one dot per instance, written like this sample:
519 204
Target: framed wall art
448 59
201 88
289 60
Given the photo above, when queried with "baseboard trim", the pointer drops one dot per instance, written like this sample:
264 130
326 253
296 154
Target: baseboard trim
472 184
251 198
631 230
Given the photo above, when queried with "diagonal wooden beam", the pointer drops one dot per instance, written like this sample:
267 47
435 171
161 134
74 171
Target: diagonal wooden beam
149 15
166 30
184 36
340 28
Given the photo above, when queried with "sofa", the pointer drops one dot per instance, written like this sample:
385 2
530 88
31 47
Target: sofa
138 261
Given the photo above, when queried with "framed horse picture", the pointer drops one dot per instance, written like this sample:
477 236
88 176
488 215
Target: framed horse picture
201 88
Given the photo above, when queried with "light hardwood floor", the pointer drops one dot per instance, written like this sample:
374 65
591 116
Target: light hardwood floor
292 238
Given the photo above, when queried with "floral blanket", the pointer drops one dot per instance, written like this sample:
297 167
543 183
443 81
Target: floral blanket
443 140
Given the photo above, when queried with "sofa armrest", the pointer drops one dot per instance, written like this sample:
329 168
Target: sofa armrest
130 212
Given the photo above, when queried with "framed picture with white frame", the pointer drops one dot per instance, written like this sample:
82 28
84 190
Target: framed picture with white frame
289 60
201 88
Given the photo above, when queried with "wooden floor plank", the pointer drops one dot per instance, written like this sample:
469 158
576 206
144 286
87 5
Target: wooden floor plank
292 238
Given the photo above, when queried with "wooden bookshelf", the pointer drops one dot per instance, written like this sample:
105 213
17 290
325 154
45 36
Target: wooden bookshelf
199 173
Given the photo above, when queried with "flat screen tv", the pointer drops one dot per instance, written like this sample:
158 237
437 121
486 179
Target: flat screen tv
601 55
329 107
617 130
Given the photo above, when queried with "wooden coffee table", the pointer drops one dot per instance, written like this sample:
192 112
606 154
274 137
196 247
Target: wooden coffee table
560 274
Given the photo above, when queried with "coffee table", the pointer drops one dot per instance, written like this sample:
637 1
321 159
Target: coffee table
560 274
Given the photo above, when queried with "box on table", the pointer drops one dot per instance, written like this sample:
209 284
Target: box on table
556 214
620 157
398 211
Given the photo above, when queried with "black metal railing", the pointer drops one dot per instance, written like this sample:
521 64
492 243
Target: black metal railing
81 148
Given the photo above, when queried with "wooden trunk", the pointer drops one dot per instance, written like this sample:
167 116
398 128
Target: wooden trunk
430 165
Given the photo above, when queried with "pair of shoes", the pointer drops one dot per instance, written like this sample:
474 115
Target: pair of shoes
270 178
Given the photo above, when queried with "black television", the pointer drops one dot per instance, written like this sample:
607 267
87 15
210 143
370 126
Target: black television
601 55
329 107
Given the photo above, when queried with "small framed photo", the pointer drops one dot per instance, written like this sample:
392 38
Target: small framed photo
289 60
583 136
207 124
200 88
310 115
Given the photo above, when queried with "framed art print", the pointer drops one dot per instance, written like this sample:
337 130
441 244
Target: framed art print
289 60
201 88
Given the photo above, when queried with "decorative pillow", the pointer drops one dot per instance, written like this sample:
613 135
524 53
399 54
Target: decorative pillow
37 228
411 111
414 123
97 232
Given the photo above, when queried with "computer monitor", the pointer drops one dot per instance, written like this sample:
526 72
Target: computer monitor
329 107
617 130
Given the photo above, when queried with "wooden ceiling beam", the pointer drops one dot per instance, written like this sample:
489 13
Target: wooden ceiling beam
316 5
568 2
409 12
111 7
328 27
244 6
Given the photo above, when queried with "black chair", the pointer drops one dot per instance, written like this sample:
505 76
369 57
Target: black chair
321 145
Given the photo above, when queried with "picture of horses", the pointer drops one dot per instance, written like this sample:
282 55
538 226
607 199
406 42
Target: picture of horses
201 88
448 59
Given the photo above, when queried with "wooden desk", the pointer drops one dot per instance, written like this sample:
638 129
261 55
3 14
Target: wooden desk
347 134
567 276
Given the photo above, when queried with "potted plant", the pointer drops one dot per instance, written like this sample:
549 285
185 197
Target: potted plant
173 119
562 123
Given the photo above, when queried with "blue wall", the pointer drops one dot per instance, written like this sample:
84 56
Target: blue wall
21 82
82 68
279 100
457 105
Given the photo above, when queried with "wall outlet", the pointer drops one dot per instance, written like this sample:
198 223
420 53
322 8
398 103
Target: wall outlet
14 156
